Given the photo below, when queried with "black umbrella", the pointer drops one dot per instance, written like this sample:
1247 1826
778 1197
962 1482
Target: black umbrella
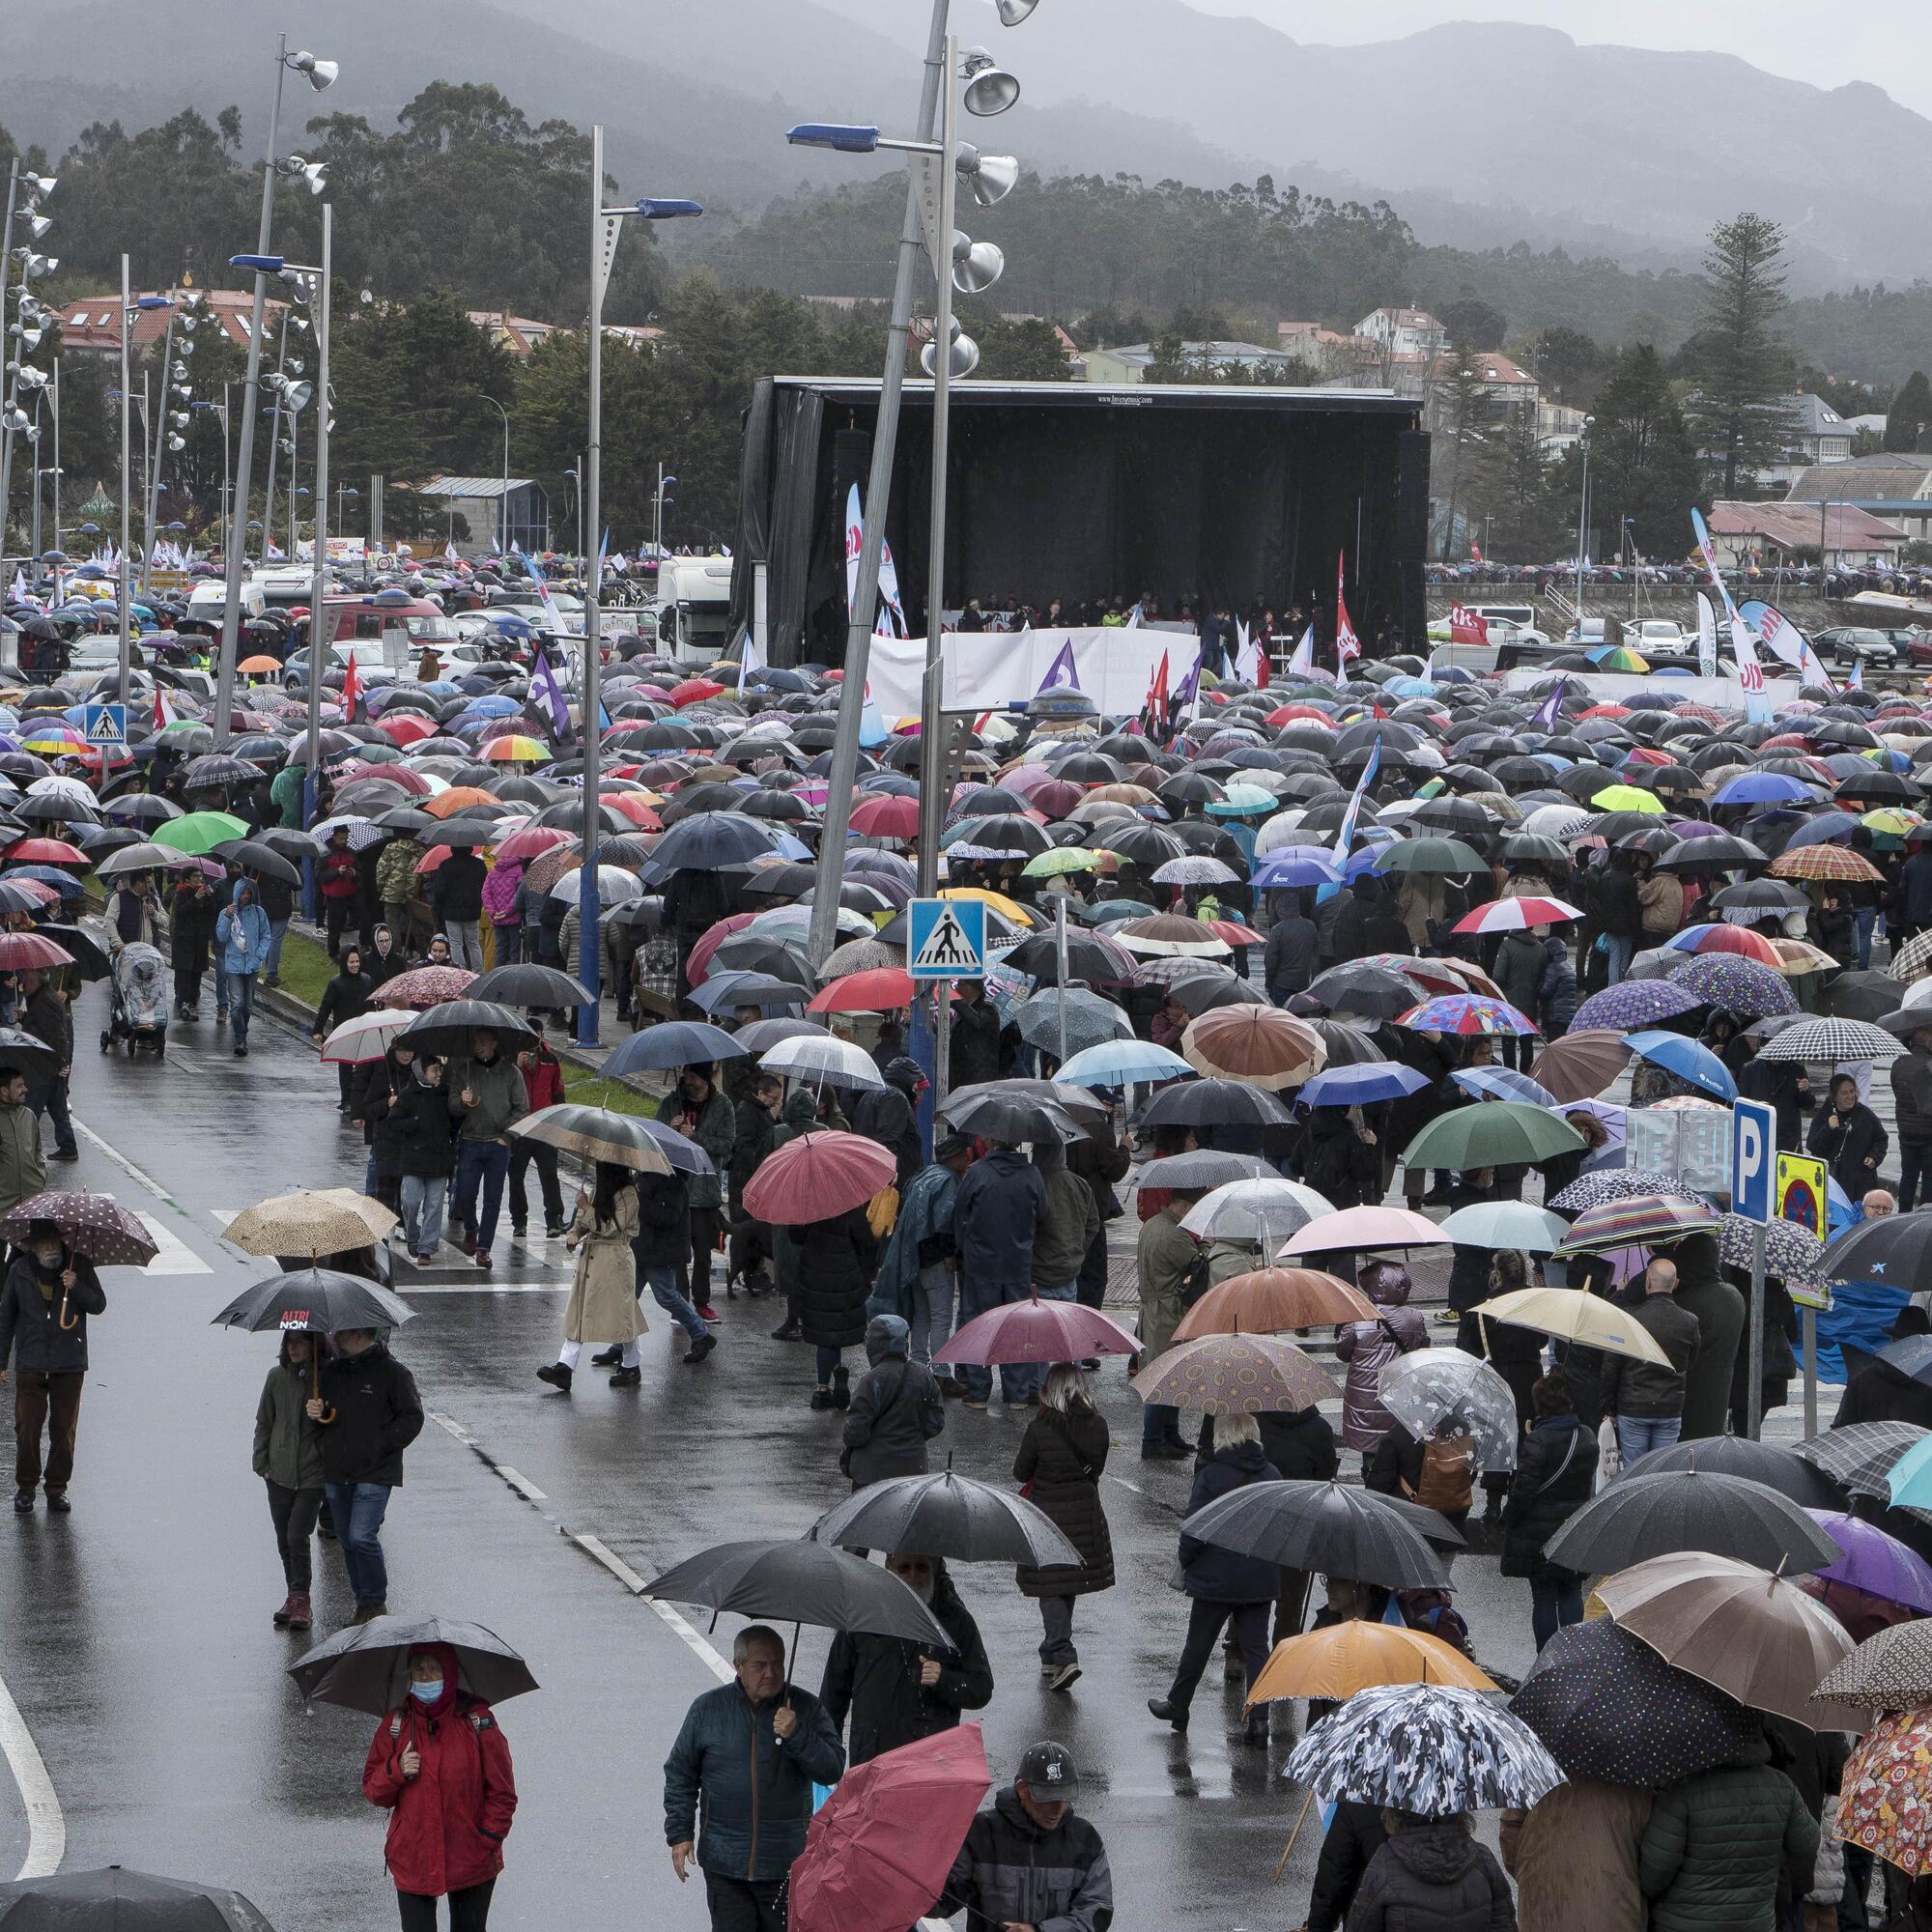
1641 1516
118 1895
1200 992
290 842
22 1053
1011 1118
314 1301
1087 958
1327 1527
1368 990
1894 1249
252 856
1764 1463
1608 1706
366 1667
945 1516
1860 996
527 986
445 1029
1213 1102
800 1583
90 962
708 841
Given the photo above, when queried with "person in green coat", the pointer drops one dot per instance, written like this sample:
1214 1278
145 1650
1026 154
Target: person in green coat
1716 1845
288 1459
1703 1291
286 794
698 1109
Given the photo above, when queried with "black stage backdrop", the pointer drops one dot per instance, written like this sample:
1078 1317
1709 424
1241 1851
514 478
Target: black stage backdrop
1220 498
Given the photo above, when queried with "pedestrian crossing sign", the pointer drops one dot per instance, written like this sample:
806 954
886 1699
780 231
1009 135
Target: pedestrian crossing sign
104 725
946 939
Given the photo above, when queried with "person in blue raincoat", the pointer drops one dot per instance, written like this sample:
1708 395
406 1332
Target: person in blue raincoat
241 946
916 1272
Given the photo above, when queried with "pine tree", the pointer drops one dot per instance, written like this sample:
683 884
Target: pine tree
1909 412
1643 461
1742 412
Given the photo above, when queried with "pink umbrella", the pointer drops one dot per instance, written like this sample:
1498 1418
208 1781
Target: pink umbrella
1032 1331
697 962
880 1847
1364 1228
817 1176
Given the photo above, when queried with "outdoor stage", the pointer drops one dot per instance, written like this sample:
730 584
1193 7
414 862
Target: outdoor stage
1219 495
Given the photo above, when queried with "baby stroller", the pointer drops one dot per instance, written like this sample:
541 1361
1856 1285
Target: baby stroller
138 1011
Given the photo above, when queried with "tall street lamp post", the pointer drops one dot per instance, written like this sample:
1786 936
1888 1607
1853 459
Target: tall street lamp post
605 225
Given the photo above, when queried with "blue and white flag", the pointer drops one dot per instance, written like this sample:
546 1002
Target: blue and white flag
553 617
1346 836
1857 680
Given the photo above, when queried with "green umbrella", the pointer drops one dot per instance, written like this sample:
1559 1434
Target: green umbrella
1493 1133
1060 858
200 832
1428 855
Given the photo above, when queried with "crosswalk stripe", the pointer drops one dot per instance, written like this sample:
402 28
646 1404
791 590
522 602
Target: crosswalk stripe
176 1256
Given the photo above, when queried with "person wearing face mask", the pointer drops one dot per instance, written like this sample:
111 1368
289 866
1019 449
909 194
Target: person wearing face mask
45 1302
897 1691
439 1766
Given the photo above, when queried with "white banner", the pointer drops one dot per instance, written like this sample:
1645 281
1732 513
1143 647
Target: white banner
1611 687
987 670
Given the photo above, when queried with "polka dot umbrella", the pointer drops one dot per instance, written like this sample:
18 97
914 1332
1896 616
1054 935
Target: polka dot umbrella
94 1225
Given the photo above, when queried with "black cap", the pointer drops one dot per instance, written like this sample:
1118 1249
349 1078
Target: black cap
949 1146
1048 1769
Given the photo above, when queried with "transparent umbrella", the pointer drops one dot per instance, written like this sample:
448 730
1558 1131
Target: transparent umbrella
1432 1389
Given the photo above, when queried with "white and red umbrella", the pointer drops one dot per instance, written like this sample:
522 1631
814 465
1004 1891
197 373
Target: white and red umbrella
1516 915
366 1037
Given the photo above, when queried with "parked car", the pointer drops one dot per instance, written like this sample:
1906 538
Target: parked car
1848 644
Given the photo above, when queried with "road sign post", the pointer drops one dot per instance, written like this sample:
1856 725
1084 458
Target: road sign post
946 939
1802 1197
1753 1166
104 727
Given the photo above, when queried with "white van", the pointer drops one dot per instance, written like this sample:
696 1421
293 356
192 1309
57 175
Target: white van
209 600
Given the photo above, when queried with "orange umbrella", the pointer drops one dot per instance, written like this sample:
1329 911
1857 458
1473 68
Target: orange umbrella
260 662
1268 1300
445 804
1355 1655
1261 1046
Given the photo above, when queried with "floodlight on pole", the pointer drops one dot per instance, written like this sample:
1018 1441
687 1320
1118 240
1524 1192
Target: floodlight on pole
991 177
319 74
990 89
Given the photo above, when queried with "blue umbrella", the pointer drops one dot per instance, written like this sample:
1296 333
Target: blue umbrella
1685 1061
723 990
1763 788
48 875
676 1043
1502 1084
492 707
1295 865
1362 1085
1122 1063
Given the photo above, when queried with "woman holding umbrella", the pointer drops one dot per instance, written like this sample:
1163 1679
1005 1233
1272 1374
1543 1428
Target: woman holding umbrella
603 1306
1060 1461
1555 1471
438 1764
1848 1137
288 1459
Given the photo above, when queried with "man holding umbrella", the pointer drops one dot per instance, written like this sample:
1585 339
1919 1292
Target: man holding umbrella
47 1016
749 1754
1030 1861
44 1302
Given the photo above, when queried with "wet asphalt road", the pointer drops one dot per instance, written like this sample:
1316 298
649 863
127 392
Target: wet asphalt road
137 1641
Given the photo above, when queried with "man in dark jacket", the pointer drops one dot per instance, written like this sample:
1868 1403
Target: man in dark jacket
998 1207
1915 891
1288 963
1100 1161
1354 1837
45 1302
894 1690
976 1038
886 1116
456 896
755 1123
1432 1872
486 1096
1647 1398
1785 1086
1703 1291
192 916
1030 1861
1350 922
369 1413
1912 1102
895 1410
49 1018
745 1762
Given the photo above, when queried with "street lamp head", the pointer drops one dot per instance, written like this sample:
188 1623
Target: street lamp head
30 338
989 89
656 207
976 264
176 442
33 267
320 73
1012 12
963 360
842 137
38 224
262 265
296 396
991 176
41 185
312 172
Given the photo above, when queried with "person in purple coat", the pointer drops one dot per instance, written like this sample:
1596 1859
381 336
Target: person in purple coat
1369 1346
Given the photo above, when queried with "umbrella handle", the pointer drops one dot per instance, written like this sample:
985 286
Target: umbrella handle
1281 1863
67 1322
315 1380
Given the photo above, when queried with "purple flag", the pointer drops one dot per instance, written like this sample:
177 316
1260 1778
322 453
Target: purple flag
1547 714
545 680
1060 671
1189 686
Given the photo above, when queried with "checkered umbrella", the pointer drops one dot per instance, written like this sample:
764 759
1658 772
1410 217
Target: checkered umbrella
1616 1184
1860 1455
1828 1042
1914 959
1824 862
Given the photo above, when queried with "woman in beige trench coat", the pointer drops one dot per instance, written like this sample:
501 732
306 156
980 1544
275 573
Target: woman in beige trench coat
602 1307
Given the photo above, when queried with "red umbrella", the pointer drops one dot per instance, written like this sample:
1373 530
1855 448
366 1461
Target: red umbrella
1034 1331
882 989
887 815
533 840
697 962
693 690
636 808
19 950
45 852
880 1847
819 1176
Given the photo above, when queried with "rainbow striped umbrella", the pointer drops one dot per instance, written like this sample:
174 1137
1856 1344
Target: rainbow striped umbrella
53 738
1646 1220
517 750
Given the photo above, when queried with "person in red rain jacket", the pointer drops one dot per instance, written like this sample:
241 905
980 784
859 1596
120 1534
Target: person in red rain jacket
340 878
439 1766
543 1082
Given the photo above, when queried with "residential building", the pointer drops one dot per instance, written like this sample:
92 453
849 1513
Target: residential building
90 325
518 334
1558 426
1326 350
1503 387
1759 532
1894 485
1404 332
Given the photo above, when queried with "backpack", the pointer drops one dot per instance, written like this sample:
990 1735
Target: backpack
1196 1282
1447 1482
1431 1611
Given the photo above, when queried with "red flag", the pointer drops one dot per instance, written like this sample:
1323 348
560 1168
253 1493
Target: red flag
163 716
1475 551
352 690
1155 710
1348 646
1466 627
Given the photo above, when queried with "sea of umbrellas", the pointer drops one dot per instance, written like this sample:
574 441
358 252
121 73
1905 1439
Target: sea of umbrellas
1726 1567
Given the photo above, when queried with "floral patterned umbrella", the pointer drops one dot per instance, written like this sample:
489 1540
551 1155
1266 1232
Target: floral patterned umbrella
1884 1807
427 986
1792 1254
1430 1749
1236 1374
1466 1014
1632 1004
1734 985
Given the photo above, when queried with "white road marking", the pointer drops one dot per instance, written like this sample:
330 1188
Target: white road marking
481 1286
126 1165
521 1483
47 1826
176 1256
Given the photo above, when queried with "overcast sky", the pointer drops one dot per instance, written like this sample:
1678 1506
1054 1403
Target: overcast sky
1888 42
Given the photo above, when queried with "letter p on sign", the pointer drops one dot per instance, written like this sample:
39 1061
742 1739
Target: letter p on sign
1753 1159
